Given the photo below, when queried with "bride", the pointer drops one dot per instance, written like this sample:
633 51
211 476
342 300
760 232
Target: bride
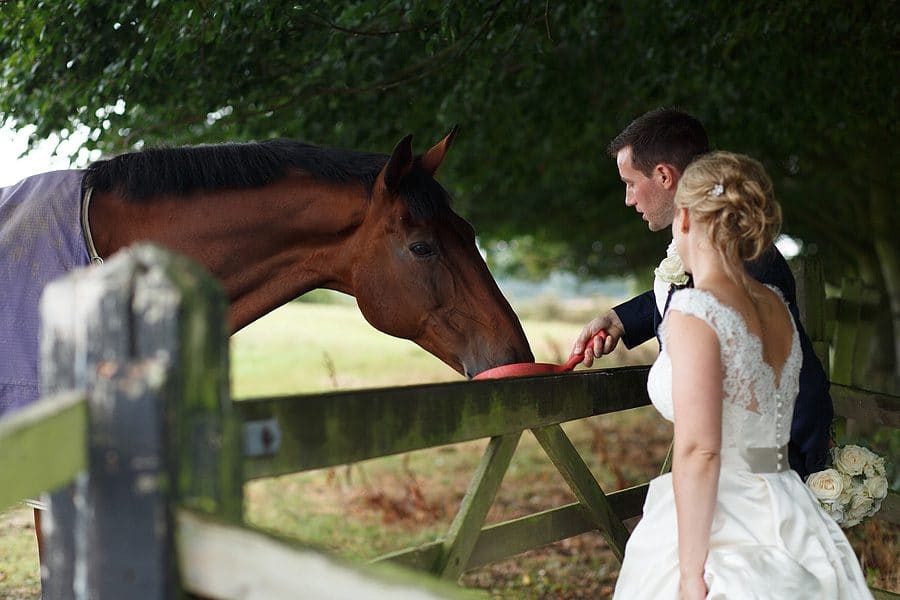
731 520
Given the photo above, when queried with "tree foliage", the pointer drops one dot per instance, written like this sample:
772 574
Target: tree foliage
538 89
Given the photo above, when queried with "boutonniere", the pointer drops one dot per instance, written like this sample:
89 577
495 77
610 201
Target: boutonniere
671 269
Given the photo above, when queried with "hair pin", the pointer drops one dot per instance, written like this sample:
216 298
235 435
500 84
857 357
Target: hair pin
717 190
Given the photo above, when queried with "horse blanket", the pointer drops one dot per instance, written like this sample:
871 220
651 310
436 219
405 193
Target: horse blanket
40 239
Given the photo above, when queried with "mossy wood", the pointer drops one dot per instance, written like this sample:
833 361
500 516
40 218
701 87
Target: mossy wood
873 407
571 466
223 560
336 428
466 526
809 277
460 549
43 447
509 538
145 337
853 329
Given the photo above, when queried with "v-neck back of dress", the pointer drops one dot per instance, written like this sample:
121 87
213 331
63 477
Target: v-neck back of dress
757 407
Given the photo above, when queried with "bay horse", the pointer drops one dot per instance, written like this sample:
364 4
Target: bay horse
270 220
275 219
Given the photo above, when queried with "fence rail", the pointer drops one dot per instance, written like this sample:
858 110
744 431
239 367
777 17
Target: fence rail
43 447
314 431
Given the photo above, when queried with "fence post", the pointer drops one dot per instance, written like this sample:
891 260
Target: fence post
145 335
810 279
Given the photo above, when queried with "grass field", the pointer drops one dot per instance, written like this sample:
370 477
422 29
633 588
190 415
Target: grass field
369 508
283 354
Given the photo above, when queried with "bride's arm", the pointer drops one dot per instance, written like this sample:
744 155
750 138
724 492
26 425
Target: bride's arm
697 398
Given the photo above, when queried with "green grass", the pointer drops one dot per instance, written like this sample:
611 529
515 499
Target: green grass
305 347
20 575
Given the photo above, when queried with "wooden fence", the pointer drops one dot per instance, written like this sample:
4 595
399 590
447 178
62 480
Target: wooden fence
157 454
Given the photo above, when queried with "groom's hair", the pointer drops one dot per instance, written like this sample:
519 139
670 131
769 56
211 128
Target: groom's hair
663 135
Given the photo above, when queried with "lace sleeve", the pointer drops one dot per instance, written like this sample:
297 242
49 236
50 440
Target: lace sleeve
704 306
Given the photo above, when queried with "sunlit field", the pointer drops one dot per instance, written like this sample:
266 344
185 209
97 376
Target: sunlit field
306 347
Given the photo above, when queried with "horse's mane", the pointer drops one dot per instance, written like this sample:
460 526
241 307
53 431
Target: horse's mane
143 175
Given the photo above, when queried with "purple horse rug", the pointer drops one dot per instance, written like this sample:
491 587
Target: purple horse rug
40 239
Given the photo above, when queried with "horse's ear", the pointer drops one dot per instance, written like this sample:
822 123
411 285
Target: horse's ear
398 165
432 159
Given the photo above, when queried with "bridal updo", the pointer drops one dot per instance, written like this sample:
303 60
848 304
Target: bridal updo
734 197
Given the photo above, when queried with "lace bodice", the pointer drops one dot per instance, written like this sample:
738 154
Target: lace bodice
757 409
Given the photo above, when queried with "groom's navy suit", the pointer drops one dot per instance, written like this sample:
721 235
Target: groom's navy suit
813 411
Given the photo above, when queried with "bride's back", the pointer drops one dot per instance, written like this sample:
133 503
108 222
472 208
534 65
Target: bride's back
766 317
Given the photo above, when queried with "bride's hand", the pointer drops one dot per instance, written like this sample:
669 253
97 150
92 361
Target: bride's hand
693 588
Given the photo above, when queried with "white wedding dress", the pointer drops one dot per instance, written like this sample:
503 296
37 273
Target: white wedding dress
769 537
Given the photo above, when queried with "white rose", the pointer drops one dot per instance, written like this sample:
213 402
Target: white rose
876 506
850 489
876 487
826 485
835 510
858 509
850 459
875 467
869 456
671 269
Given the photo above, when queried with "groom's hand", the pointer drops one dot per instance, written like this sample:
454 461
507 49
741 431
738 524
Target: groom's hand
608 322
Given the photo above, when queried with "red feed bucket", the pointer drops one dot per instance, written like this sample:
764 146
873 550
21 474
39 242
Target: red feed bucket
526 369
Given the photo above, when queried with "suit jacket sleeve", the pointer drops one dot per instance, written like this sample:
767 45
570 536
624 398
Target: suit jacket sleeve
813 411
639 316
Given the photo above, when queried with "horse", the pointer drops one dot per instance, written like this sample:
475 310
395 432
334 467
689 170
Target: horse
271 221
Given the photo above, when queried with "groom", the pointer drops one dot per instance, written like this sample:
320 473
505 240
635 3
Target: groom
651 154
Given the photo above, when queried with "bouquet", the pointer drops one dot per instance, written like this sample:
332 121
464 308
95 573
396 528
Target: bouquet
853 488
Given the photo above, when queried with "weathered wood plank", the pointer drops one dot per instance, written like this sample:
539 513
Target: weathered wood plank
872 407
571 466
179 311
124 534
846 327
884 594
466 526
222 560
43 446
77 311
890 508
335 428
539 529
667 461
164 437
810 293
509 538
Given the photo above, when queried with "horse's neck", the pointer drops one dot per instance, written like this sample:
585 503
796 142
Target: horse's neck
266 245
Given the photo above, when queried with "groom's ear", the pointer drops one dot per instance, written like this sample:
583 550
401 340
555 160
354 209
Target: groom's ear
667 175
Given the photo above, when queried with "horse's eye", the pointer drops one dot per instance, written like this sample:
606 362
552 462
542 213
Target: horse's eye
421 249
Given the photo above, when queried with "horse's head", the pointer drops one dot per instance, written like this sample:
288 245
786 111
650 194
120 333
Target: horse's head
442 295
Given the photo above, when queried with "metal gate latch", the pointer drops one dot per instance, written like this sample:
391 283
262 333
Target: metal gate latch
261 438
